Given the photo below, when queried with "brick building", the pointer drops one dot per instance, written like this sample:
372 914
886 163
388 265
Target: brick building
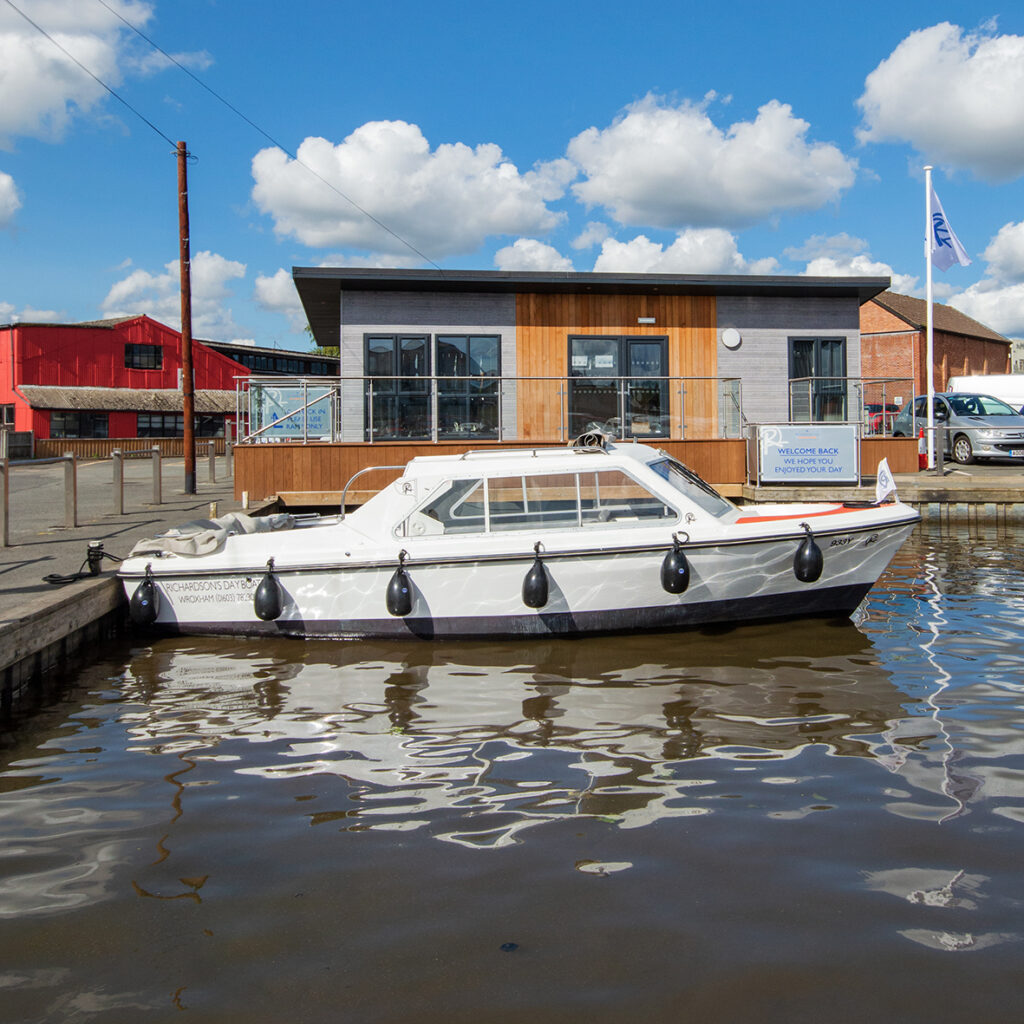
893 342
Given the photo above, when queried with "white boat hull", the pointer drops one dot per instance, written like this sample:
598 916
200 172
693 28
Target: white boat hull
455 595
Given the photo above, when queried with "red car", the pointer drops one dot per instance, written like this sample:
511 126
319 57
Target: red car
879 419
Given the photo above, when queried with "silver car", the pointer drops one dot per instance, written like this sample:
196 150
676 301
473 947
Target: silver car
976 426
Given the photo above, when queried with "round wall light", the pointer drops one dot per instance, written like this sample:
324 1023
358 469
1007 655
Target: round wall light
731 338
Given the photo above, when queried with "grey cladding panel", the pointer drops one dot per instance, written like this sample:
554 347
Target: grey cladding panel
387 309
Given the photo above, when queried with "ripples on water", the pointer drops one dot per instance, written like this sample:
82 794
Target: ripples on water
812 821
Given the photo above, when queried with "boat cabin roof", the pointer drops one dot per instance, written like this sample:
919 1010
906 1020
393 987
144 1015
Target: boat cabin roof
485 462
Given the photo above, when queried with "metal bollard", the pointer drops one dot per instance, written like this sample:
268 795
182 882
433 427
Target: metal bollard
158 481
211 452
117 459
5 530
229 451
70 491
940 450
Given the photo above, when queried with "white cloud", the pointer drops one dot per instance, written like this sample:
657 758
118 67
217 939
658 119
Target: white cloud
1005 254
154 62
672 167
696 251
999 306
277 294
593 234
159 296
529 254
40 87
998 299
10 201
28 315
443 201
844 255
957 97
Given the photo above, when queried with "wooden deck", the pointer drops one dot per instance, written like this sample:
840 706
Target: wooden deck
315 474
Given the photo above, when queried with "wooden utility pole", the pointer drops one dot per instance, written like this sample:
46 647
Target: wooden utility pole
187 381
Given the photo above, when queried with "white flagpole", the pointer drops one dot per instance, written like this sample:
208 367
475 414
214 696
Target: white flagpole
930 347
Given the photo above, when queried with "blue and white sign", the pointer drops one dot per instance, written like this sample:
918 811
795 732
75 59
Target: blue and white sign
812 453
282 409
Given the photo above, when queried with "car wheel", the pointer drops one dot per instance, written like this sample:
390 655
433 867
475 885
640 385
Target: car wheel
962 450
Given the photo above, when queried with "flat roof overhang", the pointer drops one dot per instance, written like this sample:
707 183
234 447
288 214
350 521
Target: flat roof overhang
320 288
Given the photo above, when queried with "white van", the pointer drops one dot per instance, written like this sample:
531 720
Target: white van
1007 386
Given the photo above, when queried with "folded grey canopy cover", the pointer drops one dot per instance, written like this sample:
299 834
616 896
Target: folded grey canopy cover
204 536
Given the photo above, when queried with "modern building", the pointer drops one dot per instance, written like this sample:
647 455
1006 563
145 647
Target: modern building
110 379
533 356
444 361
893 332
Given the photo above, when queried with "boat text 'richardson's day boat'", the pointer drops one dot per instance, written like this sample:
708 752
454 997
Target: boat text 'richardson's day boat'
597 537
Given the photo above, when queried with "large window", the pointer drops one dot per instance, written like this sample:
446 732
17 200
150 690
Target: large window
402 400
169 424
467 385
817 379
79 424
143 357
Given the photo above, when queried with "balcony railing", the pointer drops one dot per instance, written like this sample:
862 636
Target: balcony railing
440 409
871 402
480 408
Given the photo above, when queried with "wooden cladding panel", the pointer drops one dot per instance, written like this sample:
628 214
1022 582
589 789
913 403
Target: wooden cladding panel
900 451
545 322
101 447
264 470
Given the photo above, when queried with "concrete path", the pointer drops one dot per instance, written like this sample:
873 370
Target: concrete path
41 544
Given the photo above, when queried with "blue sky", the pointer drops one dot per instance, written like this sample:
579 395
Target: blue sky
645 137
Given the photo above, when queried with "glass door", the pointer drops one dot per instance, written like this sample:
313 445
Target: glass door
613 386
593 386
646 397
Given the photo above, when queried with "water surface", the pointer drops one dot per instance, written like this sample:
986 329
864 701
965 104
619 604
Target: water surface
814 821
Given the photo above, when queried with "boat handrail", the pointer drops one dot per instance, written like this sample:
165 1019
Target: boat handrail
368 469
535 452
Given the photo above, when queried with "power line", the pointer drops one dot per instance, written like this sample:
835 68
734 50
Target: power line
99 81
267 136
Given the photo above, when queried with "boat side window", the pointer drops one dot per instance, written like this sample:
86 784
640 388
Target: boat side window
610 496
551 501
690 484
530 502
457 507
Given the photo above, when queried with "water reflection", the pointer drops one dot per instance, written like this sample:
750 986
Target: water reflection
509 736
800 811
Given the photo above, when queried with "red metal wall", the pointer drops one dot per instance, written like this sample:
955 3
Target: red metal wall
60 355
71 356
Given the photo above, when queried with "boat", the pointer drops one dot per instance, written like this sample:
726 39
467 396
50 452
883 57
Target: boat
593 537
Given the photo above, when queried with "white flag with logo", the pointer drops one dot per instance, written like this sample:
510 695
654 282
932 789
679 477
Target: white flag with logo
884 483
945 248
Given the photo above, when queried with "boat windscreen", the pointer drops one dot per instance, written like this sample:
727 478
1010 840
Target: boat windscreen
684 479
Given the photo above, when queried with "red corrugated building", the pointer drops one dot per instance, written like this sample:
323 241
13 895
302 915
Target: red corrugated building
109 379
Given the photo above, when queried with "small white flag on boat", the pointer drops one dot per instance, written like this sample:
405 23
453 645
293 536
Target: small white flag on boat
945 249
884 483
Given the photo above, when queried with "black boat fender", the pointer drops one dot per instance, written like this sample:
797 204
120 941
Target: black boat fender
399 594
144 604
535 585
675 569
808 561
268 601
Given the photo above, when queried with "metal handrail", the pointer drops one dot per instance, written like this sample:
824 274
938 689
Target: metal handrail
369 469
499 388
